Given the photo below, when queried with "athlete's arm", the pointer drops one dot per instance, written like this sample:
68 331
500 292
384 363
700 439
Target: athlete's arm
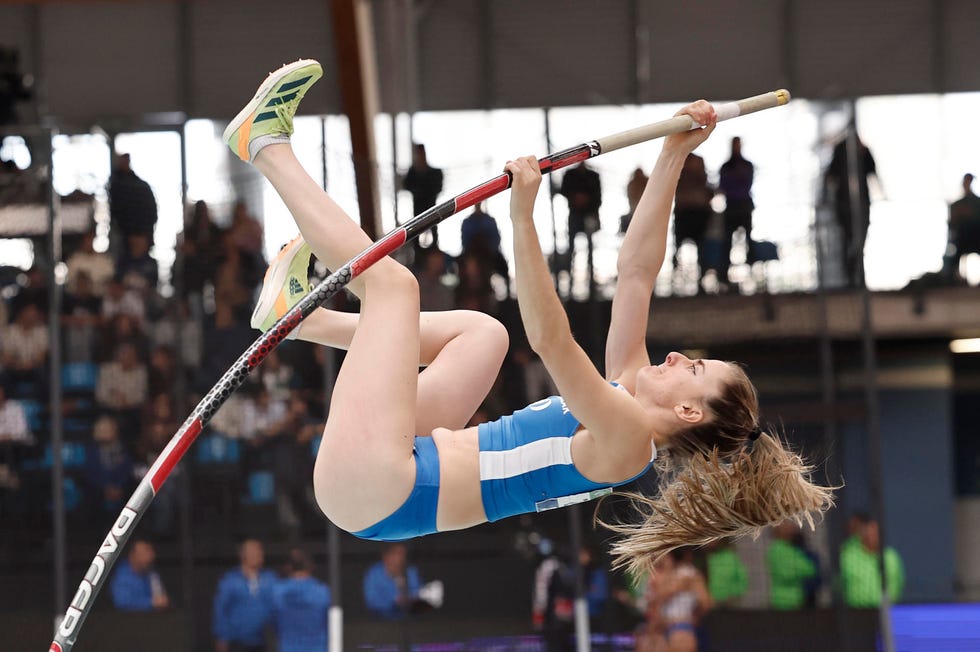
644 247
599 406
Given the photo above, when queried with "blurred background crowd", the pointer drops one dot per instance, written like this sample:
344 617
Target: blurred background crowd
832 244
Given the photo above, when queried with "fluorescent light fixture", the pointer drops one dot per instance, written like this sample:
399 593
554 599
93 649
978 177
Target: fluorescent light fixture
971 345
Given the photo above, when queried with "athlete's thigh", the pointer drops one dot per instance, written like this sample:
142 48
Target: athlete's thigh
364 467
457 381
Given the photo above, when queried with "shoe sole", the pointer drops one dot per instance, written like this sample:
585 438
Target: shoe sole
249 111
278 270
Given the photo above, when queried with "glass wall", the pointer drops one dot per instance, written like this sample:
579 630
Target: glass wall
917 177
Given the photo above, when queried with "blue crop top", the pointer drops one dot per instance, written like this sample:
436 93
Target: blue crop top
526 462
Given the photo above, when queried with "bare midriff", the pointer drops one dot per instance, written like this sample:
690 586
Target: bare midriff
460 500
460 497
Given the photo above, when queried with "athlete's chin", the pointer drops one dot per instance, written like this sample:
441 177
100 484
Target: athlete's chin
650 373
648 386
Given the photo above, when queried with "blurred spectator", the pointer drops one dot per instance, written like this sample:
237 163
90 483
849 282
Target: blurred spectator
475 291
162 377
200 247
860 570
728 580
224 342
479 230
300 607
692 210
86 260
626 607
234 278
81 316
735 182
276 376
13 421
135 585
246 233
120 300
837 187
391 586
964 228
159 413
15 438
789 568
33 291
242 263
480 235
537 380
289 445
677 600
433 293
855 526
159 425
11 182
109 467
264 416
244 602
553 600
583 190
229 420
811 587
24 352
14 86
596 580
136 267
132 207
634 190
122 386
424 182
181 331
121 329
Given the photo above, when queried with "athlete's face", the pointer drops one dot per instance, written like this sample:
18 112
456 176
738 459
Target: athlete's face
680 383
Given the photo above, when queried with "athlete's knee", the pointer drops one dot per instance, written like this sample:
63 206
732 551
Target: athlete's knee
496 334
389 275
488 331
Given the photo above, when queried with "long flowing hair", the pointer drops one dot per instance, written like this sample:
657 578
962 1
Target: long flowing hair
722 478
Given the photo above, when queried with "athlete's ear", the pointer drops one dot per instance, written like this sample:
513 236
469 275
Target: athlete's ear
689 413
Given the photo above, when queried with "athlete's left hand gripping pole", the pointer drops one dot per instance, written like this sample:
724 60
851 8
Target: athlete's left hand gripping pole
81 604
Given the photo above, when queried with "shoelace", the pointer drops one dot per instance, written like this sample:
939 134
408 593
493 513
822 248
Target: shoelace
287 116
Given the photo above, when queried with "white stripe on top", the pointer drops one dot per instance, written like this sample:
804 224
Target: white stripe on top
497 465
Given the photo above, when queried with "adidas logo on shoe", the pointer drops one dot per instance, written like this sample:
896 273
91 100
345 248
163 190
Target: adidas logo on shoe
295 287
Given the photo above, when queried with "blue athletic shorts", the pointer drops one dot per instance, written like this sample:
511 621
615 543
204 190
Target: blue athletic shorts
417 515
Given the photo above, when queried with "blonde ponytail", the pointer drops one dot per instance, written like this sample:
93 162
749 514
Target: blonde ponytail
710 496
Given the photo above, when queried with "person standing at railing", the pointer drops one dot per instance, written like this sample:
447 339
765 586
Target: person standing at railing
964 229
837 186
735 182
692 211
